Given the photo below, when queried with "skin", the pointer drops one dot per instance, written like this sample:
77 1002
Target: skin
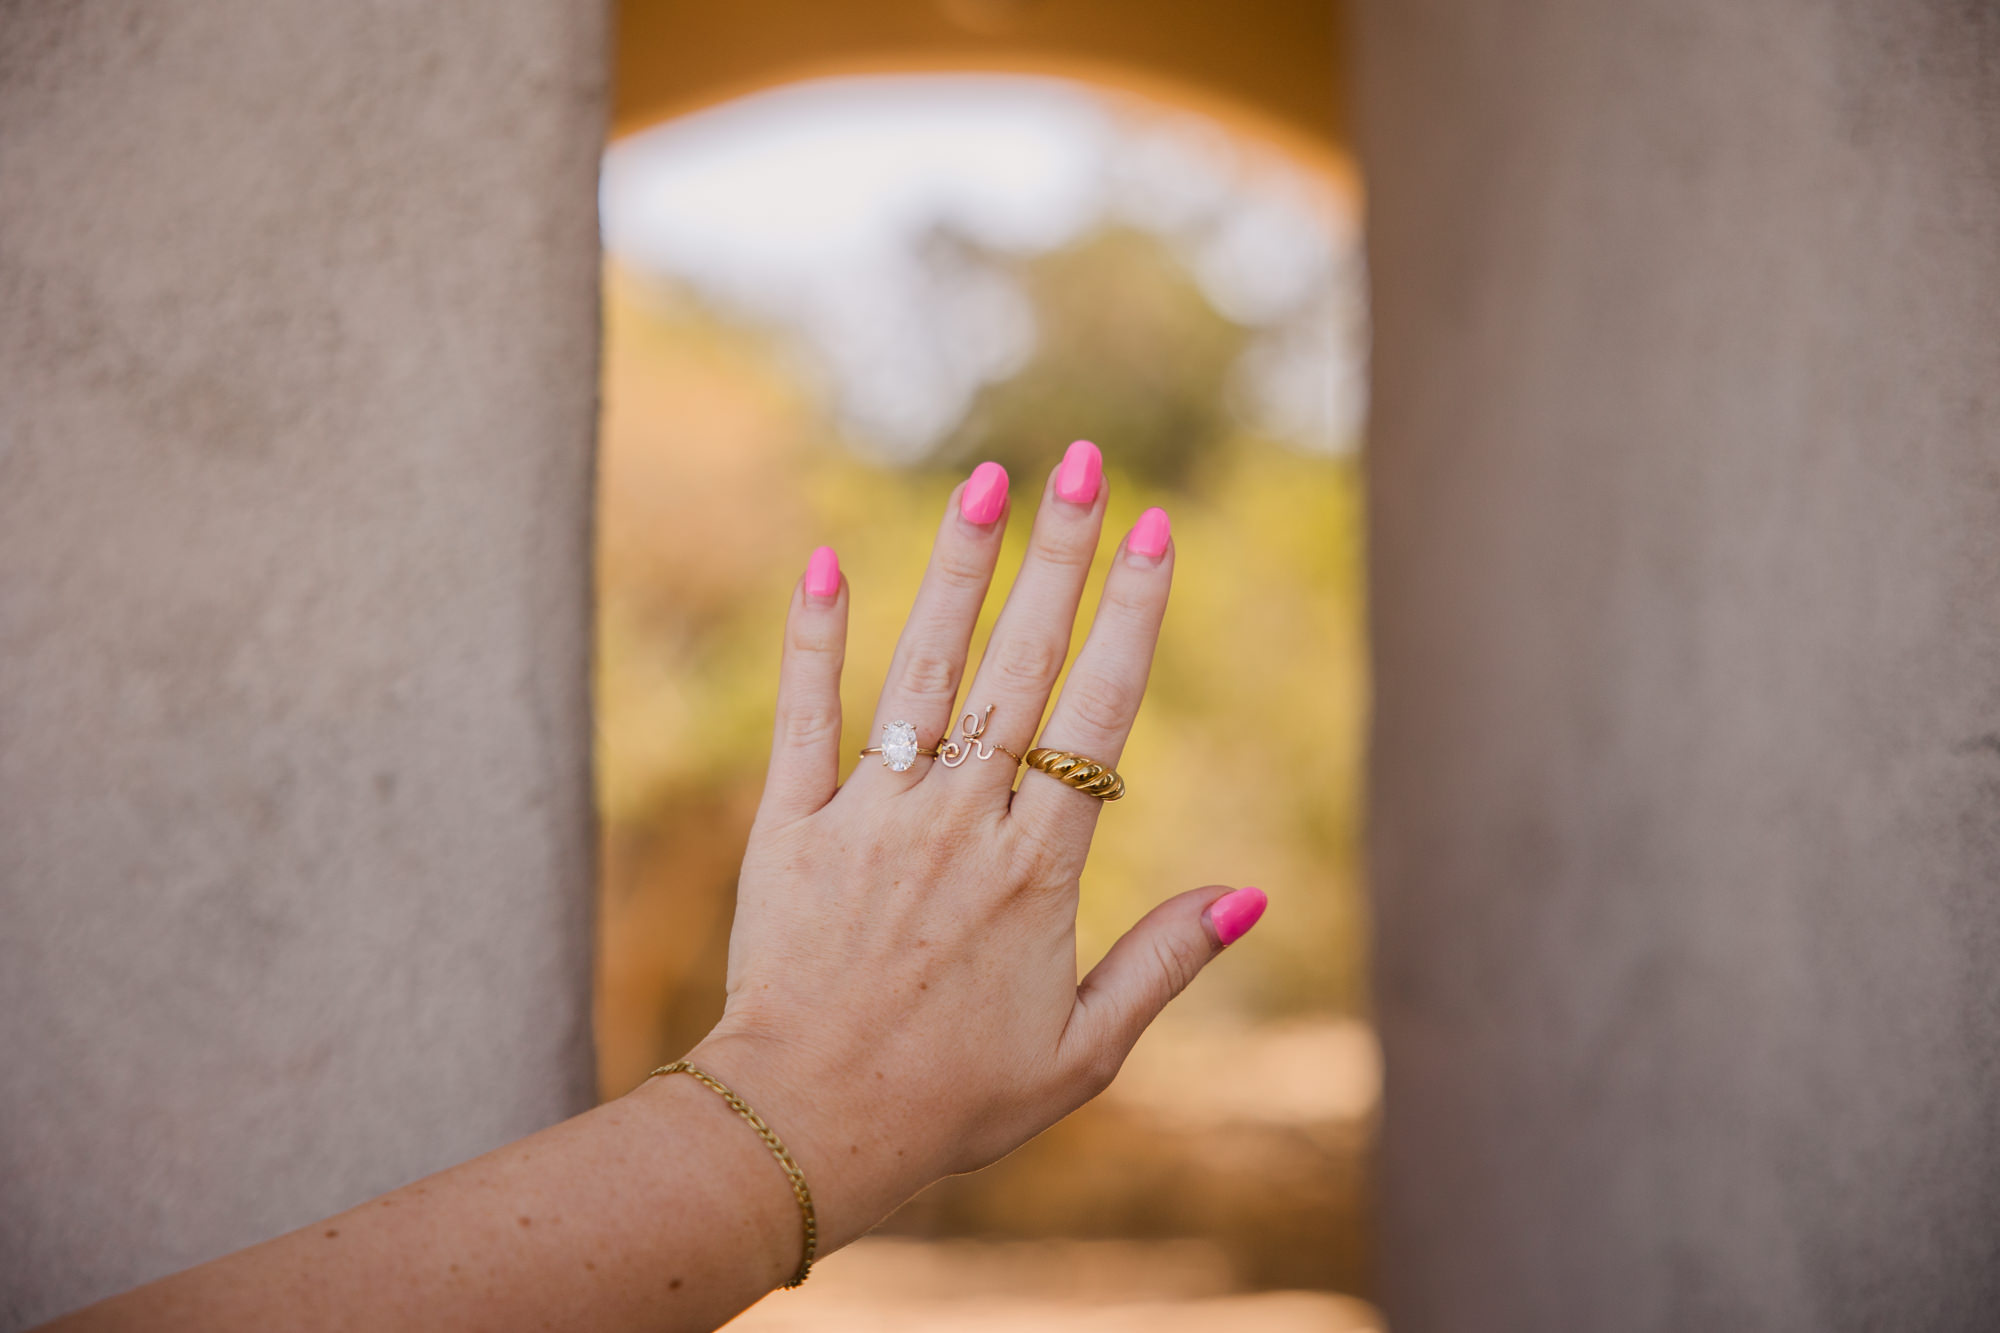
902 998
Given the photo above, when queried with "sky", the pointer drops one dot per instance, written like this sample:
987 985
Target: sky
805 208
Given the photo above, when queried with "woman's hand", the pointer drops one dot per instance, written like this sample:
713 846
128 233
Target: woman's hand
902 995
902 989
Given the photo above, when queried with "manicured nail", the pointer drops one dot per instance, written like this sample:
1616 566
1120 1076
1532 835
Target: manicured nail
1081 473
1233 914
985 494
823 574
1150 534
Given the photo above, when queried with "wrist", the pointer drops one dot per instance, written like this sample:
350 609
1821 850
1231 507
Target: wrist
724 1174
856 1174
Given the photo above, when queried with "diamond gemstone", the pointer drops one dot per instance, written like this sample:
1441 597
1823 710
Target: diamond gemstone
899 745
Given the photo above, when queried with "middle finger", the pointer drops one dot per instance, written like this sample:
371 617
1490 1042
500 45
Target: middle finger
1031 637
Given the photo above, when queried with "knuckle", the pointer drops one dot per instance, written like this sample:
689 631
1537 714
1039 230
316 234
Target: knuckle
961 571
1104 704
928 674
813 641
1027 663
1047 860
1129 608
957 843
1066 550
1178 959
811 724
946 842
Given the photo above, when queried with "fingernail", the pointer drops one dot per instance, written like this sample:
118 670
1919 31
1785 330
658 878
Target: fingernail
985 494
1150 534
1233 914
1081 473
823 574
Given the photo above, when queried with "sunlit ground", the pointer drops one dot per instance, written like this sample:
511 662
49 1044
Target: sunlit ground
893 1285
825 304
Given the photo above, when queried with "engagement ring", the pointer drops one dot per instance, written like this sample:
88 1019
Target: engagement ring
899 748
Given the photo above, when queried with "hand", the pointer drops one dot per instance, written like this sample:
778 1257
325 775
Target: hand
902 992
903 1001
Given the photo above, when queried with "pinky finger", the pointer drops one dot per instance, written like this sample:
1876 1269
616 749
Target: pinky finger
805 745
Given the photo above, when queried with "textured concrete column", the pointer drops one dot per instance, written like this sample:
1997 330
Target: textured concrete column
297 382
1686 482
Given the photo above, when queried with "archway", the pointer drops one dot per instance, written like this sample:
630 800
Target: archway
653 858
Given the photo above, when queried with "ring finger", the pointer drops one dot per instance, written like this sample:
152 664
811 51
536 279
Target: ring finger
930 656
1100 699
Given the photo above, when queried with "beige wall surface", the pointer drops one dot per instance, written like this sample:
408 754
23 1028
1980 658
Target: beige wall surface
298 320
1686 824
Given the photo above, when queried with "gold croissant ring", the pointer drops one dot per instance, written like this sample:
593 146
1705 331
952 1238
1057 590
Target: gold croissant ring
1086 775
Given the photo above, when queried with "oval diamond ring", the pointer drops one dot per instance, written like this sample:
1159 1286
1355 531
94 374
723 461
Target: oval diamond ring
899 748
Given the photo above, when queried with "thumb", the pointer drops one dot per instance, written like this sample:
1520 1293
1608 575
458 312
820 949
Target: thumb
1149 965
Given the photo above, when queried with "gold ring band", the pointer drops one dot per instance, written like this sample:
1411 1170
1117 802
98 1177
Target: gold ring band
1074 770
921 754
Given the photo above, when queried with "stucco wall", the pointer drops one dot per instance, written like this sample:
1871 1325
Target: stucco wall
297 376
1686 825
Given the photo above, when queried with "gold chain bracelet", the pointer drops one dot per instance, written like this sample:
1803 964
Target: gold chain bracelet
764 1132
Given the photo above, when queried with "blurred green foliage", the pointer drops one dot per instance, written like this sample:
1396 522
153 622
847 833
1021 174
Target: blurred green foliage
1129 353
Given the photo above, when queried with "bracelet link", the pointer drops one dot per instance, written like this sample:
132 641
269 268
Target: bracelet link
771 1141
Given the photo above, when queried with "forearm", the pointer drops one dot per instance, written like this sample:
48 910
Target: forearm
661 1210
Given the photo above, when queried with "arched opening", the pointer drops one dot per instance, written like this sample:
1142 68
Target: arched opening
1272 68
827 299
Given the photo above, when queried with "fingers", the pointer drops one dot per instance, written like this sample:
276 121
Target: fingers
1031 638
930 656
1149 965
1101 697
805 745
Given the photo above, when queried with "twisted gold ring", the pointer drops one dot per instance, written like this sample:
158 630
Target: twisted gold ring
1086 775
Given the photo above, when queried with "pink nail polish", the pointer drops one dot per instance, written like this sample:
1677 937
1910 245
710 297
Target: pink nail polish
1233 914
823 574
985 494
1081 473
1150 534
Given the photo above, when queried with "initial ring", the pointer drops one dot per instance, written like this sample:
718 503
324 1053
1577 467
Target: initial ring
899 748
1086 775
972 726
